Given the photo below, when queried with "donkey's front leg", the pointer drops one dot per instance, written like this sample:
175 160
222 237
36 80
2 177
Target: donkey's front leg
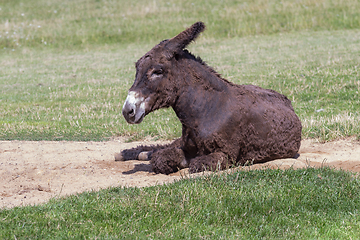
213 161
137 153
168 160
143 153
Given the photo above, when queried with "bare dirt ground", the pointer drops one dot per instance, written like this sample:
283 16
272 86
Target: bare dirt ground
34 172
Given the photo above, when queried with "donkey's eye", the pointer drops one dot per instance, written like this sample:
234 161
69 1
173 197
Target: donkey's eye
157 72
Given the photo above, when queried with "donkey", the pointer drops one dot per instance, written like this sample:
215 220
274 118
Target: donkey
223 124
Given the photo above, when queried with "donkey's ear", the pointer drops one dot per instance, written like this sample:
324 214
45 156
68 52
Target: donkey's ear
180 41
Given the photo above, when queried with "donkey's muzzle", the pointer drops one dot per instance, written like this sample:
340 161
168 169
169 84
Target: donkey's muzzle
129 112
134 108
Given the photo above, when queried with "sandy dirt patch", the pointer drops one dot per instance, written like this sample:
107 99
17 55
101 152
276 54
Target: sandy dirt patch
34 172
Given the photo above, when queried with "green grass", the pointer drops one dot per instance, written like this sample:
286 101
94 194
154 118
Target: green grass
261 204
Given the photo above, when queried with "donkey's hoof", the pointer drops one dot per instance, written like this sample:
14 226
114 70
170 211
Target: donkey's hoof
119 157
143 156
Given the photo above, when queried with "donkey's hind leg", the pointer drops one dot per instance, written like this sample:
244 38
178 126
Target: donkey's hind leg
213 161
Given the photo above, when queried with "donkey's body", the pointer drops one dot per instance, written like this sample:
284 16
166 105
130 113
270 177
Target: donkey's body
222 123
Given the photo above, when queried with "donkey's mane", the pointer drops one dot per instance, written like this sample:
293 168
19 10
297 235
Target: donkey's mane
203 63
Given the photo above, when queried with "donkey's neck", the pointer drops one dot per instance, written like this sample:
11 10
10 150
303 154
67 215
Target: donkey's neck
203 96
195 104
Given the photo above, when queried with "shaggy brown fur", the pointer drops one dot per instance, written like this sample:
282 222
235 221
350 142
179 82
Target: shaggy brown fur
222 123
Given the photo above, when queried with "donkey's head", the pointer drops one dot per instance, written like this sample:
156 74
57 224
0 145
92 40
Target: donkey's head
155 84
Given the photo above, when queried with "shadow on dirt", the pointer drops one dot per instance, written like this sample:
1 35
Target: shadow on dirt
142 167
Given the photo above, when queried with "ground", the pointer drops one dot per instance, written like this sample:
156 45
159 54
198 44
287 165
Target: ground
34 172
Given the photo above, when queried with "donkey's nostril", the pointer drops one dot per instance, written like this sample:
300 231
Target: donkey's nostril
131 112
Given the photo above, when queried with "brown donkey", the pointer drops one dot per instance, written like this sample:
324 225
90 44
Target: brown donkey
222 123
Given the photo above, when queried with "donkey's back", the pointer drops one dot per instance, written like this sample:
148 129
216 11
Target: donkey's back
268 126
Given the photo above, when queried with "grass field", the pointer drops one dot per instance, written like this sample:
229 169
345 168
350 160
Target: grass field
260 204
66 66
